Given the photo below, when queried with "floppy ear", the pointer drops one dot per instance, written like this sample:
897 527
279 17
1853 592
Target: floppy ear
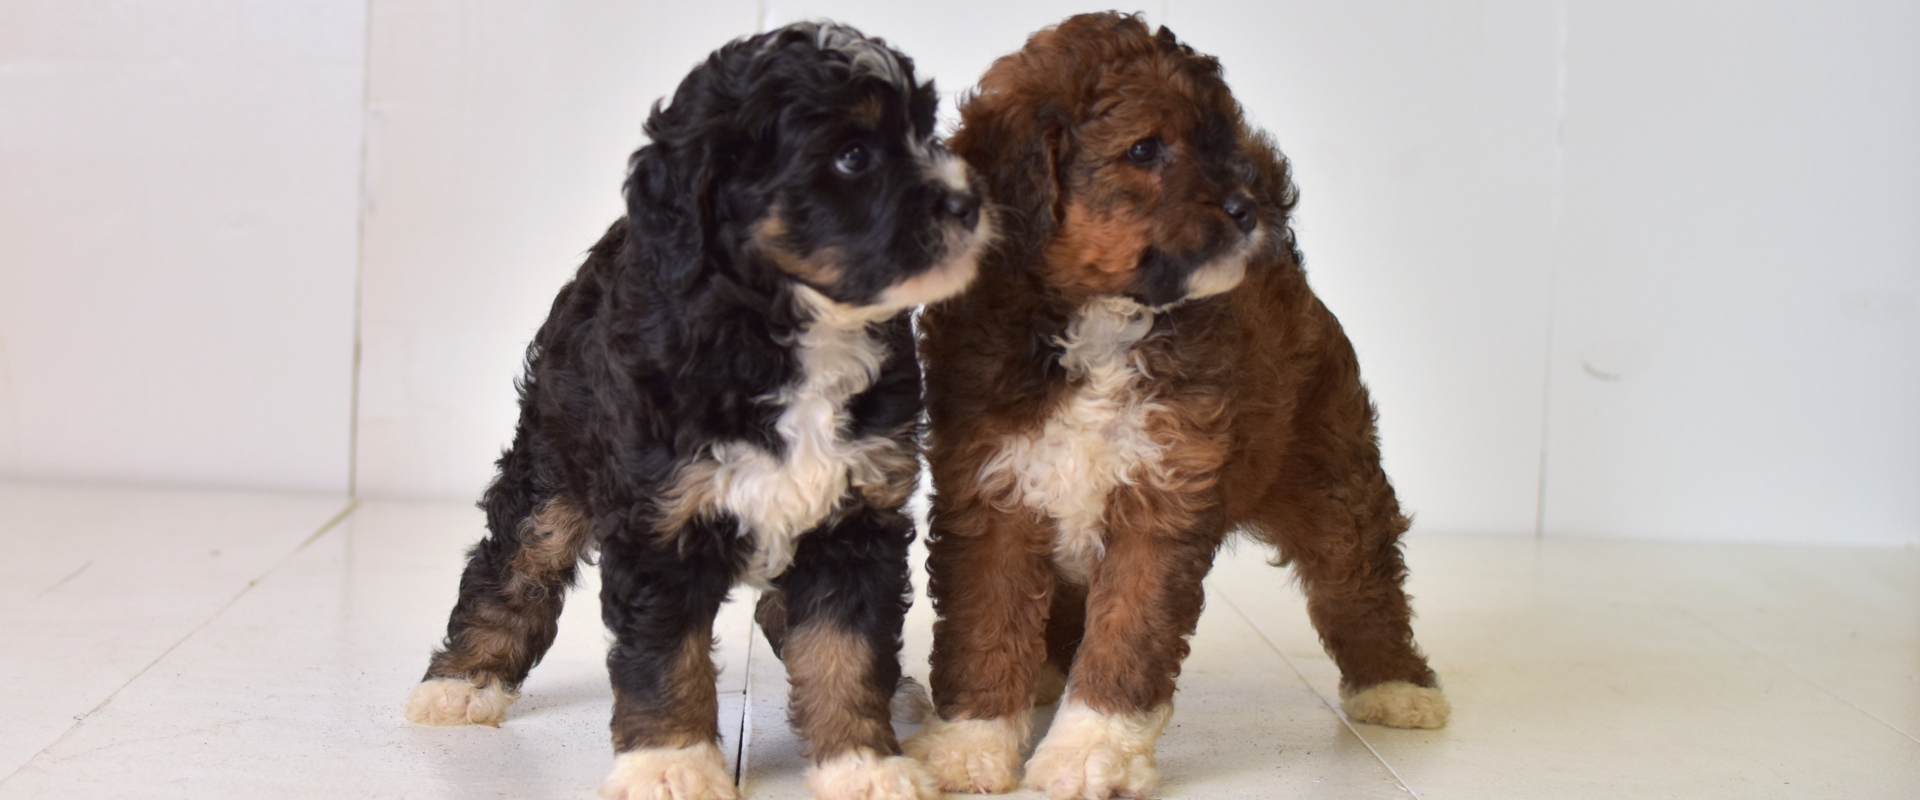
668 183
672 181
720 121
1017 139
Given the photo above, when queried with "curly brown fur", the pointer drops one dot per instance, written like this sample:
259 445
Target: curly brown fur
1140 370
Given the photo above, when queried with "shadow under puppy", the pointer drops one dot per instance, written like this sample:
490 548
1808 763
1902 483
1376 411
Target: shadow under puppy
1140 370
727 392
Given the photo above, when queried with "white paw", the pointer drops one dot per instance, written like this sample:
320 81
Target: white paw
456 701
864 775
1088 755
910 704
696 772
971 755
1398 704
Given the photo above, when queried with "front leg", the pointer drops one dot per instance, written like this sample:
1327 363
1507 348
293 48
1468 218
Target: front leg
659 603
845 599
991 579
1143 600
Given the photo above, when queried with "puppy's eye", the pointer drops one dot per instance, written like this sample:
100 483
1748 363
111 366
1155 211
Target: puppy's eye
853 160
1144 152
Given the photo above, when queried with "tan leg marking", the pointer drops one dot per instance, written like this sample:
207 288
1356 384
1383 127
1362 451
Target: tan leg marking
834 704
478 673
690 715
556 537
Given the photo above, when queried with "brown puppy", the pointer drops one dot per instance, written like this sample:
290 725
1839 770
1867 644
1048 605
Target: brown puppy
1140 370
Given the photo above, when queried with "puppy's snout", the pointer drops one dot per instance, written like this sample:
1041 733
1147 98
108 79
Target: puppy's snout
1244 210
962 206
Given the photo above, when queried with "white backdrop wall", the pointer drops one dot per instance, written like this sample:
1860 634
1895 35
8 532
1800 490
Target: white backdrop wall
1736 348
499 135
1663 251
179 184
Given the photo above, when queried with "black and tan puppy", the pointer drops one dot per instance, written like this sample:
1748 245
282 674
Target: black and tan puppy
727 392
1140 371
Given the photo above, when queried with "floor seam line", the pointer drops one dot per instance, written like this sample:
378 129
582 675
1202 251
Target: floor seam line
81 720
1337 713
1796 673
746 709
63 581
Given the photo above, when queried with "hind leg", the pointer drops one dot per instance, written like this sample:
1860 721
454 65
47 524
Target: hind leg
1066 625
510 599
910 704
1345 547
1356 602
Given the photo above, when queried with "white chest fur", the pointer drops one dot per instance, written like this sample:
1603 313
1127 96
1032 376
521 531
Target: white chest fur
1096 440
778 498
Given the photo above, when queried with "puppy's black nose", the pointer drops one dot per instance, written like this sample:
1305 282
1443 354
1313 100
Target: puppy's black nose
1244 210
963 206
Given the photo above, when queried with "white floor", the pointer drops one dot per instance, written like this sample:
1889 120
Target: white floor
200 645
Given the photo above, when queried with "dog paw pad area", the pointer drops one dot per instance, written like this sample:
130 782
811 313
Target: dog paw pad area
207 645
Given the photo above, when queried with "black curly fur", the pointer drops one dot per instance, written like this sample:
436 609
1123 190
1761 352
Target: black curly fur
677 333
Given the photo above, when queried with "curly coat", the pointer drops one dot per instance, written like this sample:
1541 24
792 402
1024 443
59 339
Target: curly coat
727 392
1140 370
